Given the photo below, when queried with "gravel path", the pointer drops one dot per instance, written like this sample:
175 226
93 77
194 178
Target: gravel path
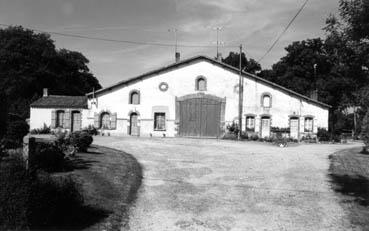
192 184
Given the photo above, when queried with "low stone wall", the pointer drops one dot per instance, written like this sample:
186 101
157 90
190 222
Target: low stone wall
29 147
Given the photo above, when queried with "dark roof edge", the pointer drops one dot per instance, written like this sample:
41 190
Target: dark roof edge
224 65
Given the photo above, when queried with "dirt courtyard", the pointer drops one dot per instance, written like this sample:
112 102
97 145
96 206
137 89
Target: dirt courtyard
195 184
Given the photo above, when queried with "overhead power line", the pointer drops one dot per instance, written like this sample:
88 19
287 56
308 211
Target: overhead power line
116 40
284 31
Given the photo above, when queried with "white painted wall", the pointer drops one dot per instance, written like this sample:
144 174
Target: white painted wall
39 117
220 82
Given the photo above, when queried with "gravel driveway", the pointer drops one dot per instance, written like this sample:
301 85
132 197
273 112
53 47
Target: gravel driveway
195 184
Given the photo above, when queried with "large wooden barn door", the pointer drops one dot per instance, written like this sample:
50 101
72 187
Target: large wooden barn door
200 117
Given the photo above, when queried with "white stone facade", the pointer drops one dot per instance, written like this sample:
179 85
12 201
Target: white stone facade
180 80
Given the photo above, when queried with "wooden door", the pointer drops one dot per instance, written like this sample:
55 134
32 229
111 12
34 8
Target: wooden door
76 121
294 128
210 118
265 127
134 128
200 117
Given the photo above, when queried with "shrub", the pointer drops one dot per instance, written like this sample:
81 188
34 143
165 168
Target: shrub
91 130
323 134
254 137
233 128
44 130
7 143
48 157
81 140
16 130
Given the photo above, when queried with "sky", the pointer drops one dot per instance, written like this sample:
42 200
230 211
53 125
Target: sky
253 23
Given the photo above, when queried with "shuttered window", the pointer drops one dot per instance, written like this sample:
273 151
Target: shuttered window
60 119
308 124
105 121
250 123
159 121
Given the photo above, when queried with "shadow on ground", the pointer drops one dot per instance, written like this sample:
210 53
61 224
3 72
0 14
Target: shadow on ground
355 186
78 218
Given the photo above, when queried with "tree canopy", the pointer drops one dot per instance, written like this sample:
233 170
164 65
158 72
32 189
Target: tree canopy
29 62
248 65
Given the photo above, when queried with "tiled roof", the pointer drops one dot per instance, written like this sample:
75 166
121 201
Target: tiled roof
215 62
61 101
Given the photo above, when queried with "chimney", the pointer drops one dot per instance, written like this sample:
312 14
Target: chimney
45 92
314 94
219 57
178 57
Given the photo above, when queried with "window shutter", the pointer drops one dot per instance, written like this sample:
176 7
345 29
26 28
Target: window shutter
113 121
96 120
302 124
67 122
315 127
79 121
53 119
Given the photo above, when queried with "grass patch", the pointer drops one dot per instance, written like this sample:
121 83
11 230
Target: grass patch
349 173
109 179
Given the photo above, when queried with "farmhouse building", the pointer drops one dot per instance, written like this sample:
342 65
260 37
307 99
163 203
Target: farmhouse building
196 97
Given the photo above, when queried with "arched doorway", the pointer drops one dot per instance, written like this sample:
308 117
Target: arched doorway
134 129
200 115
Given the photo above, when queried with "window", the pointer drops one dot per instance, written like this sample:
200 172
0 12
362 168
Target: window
250 123
266 100
60 119
201 83
105 120
134 97
308 125
159 121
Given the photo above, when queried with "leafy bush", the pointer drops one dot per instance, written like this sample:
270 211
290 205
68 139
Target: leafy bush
81 140
233 128
44 130
7 143
323 134
16 130
48 157
91 130
254 137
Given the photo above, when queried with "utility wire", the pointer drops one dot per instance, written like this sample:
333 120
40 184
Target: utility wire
117 40
284 31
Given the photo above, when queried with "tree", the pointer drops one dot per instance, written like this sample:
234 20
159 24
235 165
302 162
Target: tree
248 65
30 62
365 132
3 114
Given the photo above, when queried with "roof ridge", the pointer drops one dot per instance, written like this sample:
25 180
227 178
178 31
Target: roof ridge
214 61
